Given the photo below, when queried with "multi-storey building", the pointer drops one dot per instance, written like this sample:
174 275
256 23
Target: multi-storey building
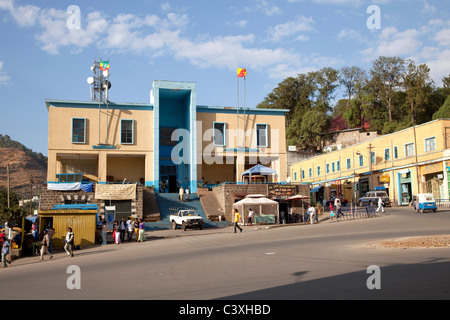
170 140
403 163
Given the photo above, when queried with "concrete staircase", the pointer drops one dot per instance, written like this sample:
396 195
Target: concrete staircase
169 203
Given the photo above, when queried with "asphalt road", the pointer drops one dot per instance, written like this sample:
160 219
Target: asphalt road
327 261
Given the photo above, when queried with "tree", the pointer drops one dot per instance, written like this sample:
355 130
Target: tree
326 82
14 211
444 110
353 79
386 75
417 85
313 127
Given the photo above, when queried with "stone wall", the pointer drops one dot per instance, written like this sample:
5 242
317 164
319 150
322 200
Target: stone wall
50 198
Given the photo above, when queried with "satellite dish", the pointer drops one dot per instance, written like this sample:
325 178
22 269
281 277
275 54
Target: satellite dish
106 85
90 80
106 73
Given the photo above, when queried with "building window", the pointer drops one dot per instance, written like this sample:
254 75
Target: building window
303 174
332 167
295 176
409 149
318 170
328 168
395 153
261 135
126 131
361 161
349 164
430 144
386 154
372 157
310 172
338 165
78 130
219 134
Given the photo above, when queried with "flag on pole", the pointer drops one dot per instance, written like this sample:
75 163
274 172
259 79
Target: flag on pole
104 65
241 72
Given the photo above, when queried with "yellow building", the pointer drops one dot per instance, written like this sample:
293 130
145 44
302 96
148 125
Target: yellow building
171 141
403 163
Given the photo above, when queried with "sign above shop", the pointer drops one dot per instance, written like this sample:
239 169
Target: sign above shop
104 146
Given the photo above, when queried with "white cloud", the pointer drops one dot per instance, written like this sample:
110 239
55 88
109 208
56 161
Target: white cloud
265 7
56 35
4 78
290 28
443 37
25 16
349 34
155 36
392 42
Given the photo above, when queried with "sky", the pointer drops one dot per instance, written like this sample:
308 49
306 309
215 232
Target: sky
47 48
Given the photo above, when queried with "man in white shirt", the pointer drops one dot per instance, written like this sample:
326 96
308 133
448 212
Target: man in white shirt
380 205
312 213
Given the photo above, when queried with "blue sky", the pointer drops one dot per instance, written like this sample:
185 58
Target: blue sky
46 52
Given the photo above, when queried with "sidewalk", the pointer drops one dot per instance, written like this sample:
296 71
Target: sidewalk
59 253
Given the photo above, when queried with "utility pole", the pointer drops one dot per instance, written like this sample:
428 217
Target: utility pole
7 183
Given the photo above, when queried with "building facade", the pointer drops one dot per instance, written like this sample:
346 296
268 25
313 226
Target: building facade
403 163
169 142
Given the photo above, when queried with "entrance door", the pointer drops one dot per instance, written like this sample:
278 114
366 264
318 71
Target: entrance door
169 176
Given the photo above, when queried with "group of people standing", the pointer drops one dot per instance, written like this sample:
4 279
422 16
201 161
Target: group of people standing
184 194
122 228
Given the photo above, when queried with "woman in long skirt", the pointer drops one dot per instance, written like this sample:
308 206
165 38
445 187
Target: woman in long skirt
142 230
117 233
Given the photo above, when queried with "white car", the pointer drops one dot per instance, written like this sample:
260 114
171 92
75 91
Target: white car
186 219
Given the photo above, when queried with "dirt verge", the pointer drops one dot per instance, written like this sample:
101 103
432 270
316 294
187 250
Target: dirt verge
434 241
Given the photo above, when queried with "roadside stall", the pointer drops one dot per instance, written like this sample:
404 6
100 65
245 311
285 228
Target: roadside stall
83 222
298 207
266 210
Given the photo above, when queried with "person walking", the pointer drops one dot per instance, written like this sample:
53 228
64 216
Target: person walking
142 230
123 229
6 248
129 229
44 245
311 213
187 193
380 205
104 232
70 239
250 217
136 228
50 233
181 193
337 206
116 232
237 217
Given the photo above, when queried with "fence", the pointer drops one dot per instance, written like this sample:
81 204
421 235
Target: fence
351 213
443 203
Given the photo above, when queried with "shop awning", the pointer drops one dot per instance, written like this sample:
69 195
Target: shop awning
316 189
298 197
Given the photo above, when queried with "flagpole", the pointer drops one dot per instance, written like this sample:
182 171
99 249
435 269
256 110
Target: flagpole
237 112
245 122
